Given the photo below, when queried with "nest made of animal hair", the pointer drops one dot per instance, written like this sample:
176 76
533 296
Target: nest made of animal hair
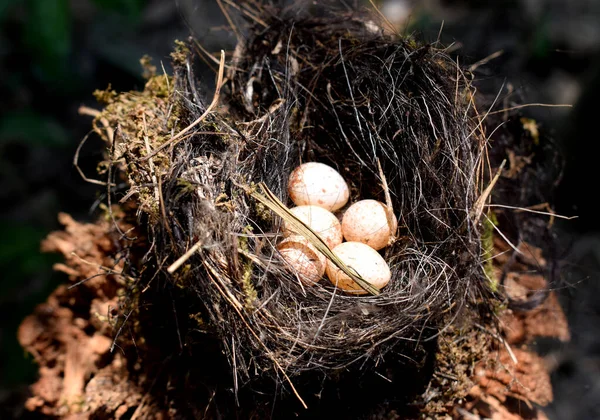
327 86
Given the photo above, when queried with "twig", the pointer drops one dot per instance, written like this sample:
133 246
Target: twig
278 103
517 250
107 270
528 105
114 343
202 52
162 65
389 211
76 164
530 210
84 110
109 193
485 60
173 267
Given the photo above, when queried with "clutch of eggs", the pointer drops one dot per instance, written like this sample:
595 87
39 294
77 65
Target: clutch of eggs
318 190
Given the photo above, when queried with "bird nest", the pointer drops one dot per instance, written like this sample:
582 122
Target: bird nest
396 118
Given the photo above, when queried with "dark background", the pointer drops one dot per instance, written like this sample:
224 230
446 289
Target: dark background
55 53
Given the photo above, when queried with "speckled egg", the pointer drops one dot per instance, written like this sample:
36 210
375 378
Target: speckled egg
365 260
367 221
304 258
321 221
317 184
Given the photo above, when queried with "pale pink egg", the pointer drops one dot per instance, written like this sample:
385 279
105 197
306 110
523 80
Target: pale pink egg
365 260
314 183
367 221
303 258
322 222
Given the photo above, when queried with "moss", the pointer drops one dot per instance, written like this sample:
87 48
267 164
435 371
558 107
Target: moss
106 96
487 243
180 278
184 188
197 318
247 286
144 124
159 86
530 126
181 53
459 351
149 68
263 213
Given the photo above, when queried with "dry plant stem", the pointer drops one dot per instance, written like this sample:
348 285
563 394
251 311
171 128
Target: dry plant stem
532 210
528 105
76 163
174 140
485 60
181 260
502 340
272 109
480 203
107 270
84 110
110 133
515 248
206 56
389 210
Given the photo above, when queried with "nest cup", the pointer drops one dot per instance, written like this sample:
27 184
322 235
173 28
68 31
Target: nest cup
322 87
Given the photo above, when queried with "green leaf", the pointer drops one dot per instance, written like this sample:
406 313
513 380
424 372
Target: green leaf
33 129
47 33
